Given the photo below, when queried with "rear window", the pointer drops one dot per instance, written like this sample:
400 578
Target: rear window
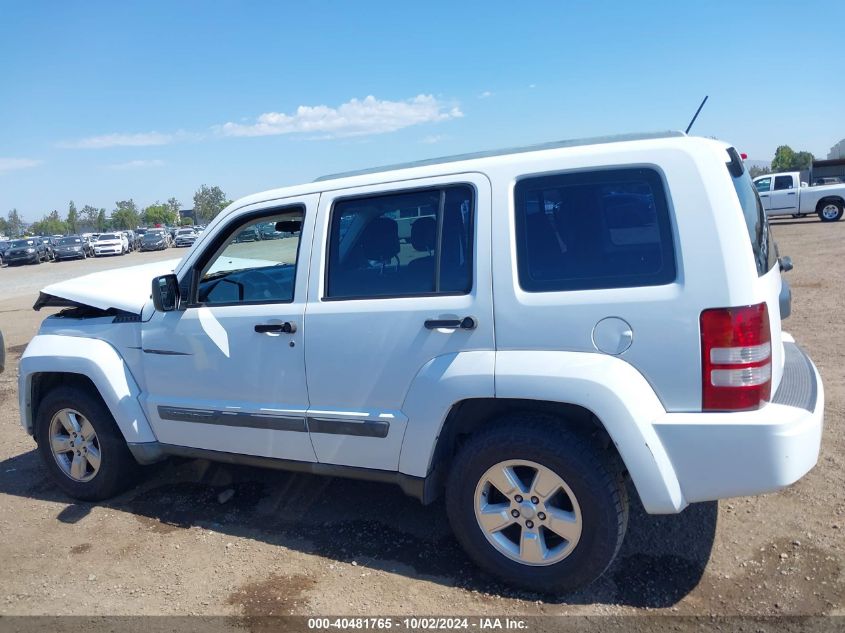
591 230
755 222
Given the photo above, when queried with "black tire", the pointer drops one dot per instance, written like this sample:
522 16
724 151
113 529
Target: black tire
118 469
823 205
592 473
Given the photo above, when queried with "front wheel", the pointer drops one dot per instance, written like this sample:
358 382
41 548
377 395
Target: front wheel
537 505
81 445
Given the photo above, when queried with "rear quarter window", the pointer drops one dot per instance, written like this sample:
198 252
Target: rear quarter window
593 230
756 223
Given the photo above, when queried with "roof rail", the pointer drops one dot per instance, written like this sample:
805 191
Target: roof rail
597 140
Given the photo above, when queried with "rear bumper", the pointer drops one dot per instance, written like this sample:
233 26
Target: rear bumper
719 455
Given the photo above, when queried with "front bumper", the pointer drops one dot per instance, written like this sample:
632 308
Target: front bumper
28 258
108 250
719 455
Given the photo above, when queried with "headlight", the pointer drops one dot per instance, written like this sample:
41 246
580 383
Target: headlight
30 250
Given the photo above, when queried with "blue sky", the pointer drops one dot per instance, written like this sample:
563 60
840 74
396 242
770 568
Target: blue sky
103 101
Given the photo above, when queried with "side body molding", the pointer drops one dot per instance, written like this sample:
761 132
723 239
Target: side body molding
95 359
618 395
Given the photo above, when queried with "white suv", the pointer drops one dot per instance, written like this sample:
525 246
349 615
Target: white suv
559 318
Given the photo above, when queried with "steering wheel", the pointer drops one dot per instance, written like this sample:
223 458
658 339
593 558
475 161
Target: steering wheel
258 286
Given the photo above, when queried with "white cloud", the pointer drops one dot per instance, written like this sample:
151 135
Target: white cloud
433 138
485 94
141 139
137 164
532 85
353 118
10 164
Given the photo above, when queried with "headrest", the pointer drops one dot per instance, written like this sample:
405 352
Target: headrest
380 240
424 234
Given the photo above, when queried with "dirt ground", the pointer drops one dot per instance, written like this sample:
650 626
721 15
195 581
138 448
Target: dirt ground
282 543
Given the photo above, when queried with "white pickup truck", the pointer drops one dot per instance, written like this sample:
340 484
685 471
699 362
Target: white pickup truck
785 194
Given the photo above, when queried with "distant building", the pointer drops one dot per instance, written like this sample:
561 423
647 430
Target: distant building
837 151
831 168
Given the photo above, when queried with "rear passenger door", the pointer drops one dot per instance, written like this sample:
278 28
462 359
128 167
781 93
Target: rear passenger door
400 276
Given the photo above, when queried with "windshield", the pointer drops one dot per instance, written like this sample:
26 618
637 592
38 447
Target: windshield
108 236
185 231
19 243
151 237
70 240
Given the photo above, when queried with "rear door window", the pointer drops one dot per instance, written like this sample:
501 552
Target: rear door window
404 244
783 182
591 230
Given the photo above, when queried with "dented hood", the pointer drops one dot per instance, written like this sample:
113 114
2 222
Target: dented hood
120 289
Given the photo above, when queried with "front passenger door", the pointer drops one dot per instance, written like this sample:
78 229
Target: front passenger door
764 188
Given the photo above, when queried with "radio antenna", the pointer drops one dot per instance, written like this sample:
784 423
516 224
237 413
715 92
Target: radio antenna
695 116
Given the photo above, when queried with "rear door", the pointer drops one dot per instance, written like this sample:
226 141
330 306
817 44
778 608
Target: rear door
783 197
383 302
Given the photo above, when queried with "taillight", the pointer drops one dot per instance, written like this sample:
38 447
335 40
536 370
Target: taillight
736 358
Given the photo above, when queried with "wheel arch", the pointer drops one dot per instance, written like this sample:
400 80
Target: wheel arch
474 414
602 395
829 199
50 360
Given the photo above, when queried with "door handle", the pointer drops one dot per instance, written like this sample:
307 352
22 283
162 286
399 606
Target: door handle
467 323
265 328
791 193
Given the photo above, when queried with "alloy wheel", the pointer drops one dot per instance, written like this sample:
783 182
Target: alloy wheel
74 445
527 512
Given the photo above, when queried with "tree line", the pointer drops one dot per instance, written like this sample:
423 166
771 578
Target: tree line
786 159
208 202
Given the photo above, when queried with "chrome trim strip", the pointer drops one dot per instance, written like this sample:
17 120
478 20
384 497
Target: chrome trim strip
232 418
363 428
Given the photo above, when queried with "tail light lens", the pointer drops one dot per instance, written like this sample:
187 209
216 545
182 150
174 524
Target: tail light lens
736 358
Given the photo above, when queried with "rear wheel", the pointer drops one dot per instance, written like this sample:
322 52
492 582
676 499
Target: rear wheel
830 211
81 445
537 505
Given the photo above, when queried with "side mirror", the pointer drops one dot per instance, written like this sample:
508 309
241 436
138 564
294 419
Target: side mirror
166 293
785 263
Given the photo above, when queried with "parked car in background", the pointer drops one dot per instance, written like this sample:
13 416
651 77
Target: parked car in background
50 244
133 242
70 247
829 180
784 194
110 244
4 246
88 243
249 234
29 250
154 240
186 237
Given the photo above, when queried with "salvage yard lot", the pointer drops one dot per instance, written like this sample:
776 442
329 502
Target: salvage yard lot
206 538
